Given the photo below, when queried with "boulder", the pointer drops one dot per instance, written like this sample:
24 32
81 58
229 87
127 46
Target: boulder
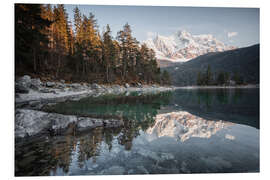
24 81
33 122
85 123
46 90
35 84
59 122
50 84
127 85
140 85
108 123
60 85
21 89
25 78
30 122
95 86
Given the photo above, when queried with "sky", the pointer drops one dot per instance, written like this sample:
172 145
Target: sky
233 26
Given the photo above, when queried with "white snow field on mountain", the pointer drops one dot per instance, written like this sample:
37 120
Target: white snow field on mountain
183 46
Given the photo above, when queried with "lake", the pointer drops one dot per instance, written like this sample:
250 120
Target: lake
185 131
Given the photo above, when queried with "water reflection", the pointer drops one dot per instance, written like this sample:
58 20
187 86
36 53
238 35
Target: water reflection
183 132
183 125
234 105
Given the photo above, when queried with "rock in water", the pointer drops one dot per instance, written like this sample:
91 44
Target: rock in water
29 123
60 123
85 123
108 123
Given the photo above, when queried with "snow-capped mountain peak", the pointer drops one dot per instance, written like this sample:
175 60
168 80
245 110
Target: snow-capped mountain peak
183 46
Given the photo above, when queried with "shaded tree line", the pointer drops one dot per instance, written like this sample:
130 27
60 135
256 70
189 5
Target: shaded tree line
220 78
47 45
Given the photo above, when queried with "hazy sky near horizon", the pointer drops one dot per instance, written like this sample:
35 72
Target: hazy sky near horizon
233 26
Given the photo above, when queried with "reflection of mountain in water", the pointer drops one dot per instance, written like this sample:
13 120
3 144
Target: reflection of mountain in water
183 125
180 115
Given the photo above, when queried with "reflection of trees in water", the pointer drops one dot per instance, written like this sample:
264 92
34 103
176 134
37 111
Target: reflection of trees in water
234 105
208 98
138 114
42 156
61 151
89 146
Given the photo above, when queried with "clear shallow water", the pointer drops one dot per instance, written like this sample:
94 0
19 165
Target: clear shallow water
187 131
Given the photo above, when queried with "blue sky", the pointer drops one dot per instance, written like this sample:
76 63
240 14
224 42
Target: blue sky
233 26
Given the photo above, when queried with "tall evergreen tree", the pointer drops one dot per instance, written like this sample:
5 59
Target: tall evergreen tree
209 76
30 36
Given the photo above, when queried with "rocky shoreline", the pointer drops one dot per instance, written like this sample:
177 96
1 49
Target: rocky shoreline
32 94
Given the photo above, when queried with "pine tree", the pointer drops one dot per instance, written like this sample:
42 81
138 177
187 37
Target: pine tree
221 78
60 33
30 37
209 76
166 78
46 43
199 79
108 52
128 46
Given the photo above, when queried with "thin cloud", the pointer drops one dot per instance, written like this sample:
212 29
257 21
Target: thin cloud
232 34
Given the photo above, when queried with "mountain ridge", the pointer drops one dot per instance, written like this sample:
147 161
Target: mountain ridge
244 61
182 46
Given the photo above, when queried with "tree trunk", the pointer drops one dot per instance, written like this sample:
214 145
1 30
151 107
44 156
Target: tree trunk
34 57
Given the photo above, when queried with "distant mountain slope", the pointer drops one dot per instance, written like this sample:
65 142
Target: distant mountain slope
245 61
183 46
